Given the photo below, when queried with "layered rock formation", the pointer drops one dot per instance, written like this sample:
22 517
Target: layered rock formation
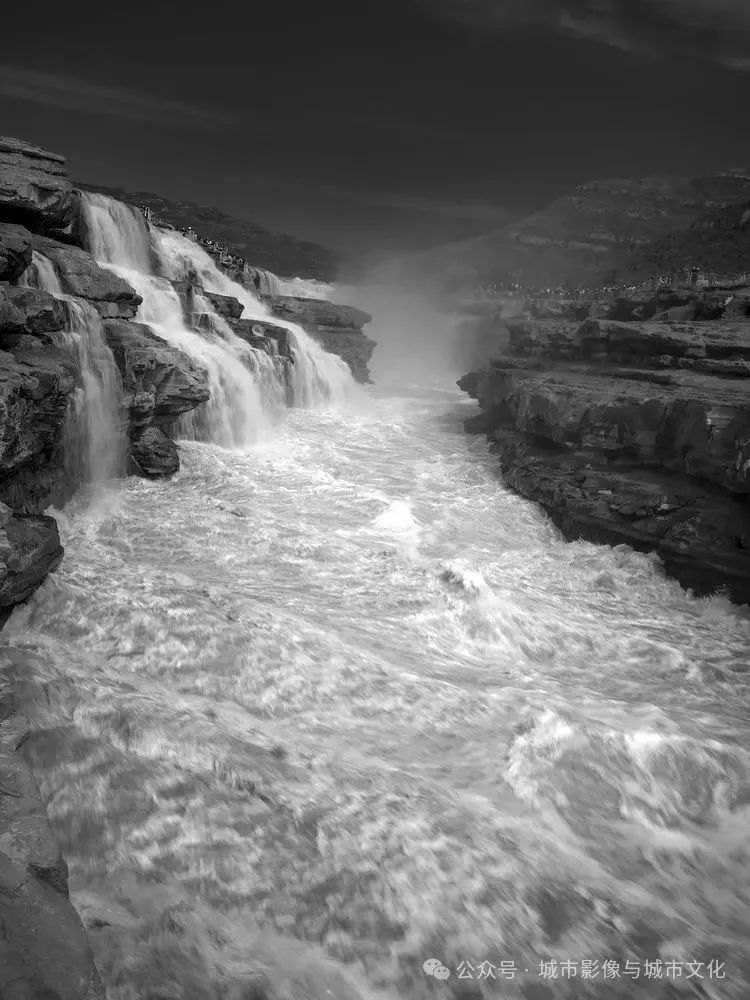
40 369
633 431
337 328
44 952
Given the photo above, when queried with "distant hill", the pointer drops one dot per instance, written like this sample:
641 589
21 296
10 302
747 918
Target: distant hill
718 240
606 231
285 255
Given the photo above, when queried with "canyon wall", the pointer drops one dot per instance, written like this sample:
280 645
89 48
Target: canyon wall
630 424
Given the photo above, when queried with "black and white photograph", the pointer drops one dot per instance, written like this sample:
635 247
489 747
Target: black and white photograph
375 500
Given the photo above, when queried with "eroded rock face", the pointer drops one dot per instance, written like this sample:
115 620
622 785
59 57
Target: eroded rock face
29 312
337 328
44 952
153 454
34 187
160 383
225 305
15 251
35 389
29 550
80 275
634 433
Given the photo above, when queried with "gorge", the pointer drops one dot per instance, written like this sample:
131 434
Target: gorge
313 695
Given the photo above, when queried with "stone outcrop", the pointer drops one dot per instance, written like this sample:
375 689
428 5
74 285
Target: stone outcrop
35 389
29 550
44 951
40 368
225 305
634 433
34 187
160 383
15 251
29 312
337 328
81 276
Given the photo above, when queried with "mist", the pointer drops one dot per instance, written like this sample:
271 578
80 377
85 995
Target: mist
419 328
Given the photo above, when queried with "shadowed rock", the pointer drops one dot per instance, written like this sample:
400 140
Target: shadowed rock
634 433
225 305
15 251
159 383
80 275
153 454
337 328
29 312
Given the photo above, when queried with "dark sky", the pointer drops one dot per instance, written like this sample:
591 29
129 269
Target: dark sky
371 126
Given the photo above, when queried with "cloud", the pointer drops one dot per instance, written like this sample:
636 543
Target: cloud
715 29
75 94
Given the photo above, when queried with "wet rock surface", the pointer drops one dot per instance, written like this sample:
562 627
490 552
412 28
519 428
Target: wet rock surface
337 328
15 251
80 275
160 383
44 951
629 432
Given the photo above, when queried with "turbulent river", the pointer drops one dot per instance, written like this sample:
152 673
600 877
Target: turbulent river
319 710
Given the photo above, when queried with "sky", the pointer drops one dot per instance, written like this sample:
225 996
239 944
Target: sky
372 127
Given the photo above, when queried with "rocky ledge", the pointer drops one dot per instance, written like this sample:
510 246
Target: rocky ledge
630 430
337 328
47 284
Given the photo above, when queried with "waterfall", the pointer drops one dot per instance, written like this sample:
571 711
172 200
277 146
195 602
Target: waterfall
93 435
248 387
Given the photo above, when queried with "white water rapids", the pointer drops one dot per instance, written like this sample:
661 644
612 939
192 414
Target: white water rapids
248 388
318 710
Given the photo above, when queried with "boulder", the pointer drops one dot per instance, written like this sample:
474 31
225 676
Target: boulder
29 550
15 251
34 187
153 454
44 951
160 381
225 305
80 275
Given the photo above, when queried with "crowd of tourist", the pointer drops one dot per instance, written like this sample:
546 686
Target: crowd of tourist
691 276
220 251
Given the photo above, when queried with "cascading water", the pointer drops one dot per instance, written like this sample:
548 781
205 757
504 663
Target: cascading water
247 386
93 435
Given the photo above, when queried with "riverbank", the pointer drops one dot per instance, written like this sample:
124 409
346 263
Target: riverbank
629 422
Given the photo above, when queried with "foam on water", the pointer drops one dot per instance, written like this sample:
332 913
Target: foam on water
248 389
282 747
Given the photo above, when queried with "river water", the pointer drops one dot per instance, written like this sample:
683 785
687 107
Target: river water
316 711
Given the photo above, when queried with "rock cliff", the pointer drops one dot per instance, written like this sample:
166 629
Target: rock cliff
40 371
337 328
629 431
